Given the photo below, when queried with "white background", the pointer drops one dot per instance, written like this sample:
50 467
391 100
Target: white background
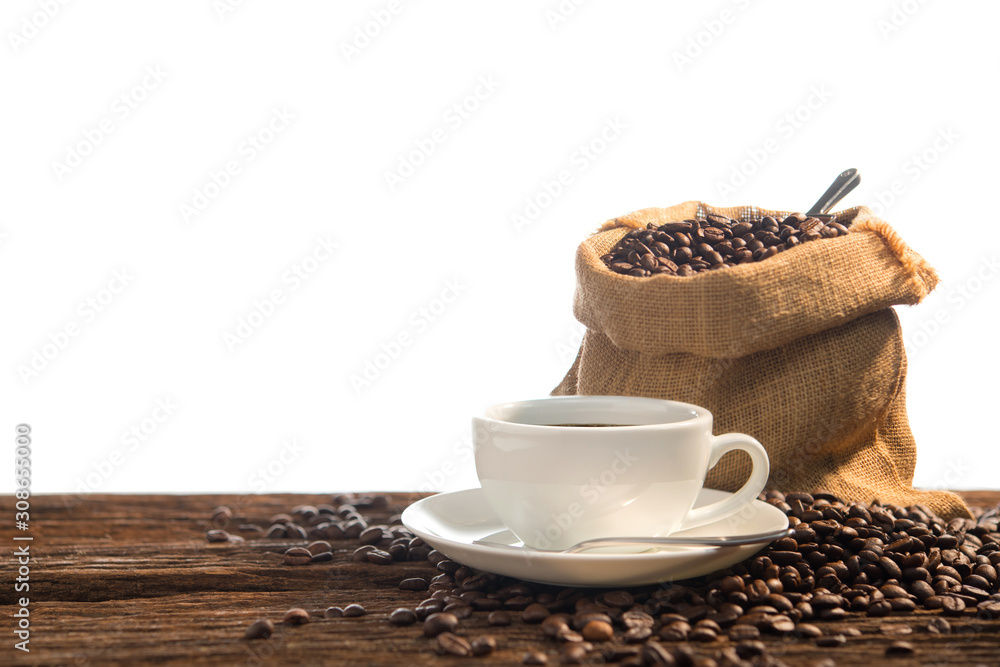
692 92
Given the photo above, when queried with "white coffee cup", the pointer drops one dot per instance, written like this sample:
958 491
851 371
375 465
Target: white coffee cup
554 485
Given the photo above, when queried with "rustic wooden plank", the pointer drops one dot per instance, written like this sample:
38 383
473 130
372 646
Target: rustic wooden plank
130 580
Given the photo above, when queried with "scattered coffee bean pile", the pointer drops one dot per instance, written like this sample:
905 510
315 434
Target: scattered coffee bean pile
717 242
843 561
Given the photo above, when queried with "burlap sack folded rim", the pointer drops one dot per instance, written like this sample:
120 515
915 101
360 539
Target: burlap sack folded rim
750 307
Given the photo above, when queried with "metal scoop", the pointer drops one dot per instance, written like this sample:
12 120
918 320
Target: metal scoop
601 542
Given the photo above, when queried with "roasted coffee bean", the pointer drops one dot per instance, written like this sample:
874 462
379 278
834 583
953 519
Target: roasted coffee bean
333 612
938 626
403 616
573 654
483 645
458 609
808 630
900 648
703 634
358 555
750 648
261 629
535 613
553 624
989 608
879 608
486 604
565 634
319 547
448 643
297 556
413 584
952 605
535 658
636 618
499 618
597 631
830 641
675 632
902 604
354 611
295 616
379 557
439 622
780 624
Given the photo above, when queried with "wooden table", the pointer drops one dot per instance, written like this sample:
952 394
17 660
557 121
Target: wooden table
131 580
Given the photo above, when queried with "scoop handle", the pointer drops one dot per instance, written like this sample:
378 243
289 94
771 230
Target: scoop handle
844 183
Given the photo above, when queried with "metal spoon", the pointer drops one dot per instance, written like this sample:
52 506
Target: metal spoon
596 543
841 186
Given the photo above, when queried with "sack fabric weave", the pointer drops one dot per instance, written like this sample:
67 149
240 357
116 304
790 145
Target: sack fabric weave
802 351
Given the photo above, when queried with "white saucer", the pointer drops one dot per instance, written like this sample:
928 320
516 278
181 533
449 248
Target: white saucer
451 522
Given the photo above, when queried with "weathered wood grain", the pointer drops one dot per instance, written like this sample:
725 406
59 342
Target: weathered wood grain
130 580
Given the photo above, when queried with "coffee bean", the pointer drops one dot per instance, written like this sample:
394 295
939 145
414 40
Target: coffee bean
636 618
565 634
534 613
379 557
499 618
518 602
574 654
459 609
830 641
702 634
743 631
413 584
952 606
297 556
486 604
655 654
319 547
295 616
938 626
358 556
808 630
879 608
371 535
261 629
354 611
448 643
333 612
535 658
902 604
403 616
674 227
989 608
675 632
483 645
750 648
439 622
900 648
597 631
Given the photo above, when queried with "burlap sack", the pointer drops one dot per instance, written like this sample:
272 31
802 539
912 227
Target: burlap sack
801 351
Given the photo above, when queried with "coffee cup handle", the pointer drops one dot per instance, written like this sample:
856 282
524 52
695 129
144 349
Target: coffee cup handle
759 472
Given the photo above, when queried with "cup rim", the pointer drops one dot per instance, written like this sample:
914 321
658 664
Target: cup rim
701 413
